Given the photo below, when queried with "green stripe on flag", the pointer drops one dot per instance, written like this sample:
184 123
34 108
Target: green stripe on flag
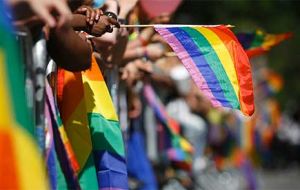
215 64
15 71
106 134
88 177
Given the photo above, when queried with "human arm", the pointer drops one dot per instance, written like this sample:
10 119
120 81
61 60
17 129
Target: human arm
151 51
68 50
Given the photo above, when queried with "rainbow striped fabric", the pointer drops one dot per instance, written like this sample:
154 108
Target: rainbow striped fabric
180 150
72 107
63 167
93 128
108 146
21 165
216 61
258 42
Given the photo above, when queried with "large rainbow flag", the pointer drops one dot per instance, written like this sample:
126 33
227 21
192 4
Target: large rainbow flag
85 103
61 161
21 165
216 61
258 42
108 145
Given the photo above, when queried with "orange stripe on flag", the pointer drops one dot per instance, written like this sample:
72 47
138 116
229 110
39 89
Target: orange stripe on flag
70 86
95 73
9 178
242 66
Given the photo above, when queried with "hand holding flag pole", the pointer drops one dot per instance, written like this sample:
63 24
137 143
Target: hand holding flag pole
161 25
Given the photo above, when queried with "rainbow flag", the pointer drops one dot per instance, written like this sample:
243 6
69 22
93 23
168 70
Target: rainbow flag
71 103
21 165
180 150
85 103
217 63
72 108
63 171
258 42
108 146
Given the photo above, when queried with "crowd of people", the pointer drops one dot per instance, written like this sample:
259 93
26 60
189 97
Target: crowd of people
158 128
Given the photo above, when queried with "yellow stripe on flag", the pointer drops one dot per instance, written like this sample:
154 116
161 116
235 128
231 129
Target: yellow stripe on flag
78 132
101 99
97 88
5 102
224 56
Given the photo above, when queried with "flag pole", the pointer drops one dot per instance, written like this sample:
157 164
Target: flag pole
163 26
168 25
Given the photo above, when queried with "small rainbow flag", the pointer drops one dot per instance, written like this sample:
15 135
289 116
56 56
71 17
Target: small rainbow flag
180 150
216 61
258 42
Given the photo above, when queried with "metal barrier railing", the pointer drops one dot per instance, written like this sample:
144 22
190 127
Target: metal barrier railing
34 56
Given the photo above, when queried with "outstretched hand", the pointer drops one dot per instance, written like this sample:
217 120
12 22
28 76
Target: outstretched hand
45 8
51 12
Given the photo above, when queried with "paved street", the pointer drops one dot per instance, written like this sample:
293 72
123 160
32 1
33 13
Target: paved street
286 179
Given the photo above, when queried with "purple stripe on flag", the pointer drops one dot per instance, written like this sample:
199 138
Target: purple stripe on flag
189 65
176 154
50 151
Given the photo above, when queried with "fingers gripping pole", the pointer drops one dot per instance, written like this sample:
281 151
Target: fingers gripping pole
161 25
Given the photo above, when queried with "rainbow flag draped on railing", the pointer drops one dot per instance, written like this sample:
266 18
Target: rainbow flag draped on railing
61 161
108 146
21 166
216 61
85 103
258 42
180 149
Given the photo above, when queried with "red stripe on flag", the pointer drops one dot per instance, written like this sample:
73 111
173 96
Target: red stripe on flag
242 67
69 86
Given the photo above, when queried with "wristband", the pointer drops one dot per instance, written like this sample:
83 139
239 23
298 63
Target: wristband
111 15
